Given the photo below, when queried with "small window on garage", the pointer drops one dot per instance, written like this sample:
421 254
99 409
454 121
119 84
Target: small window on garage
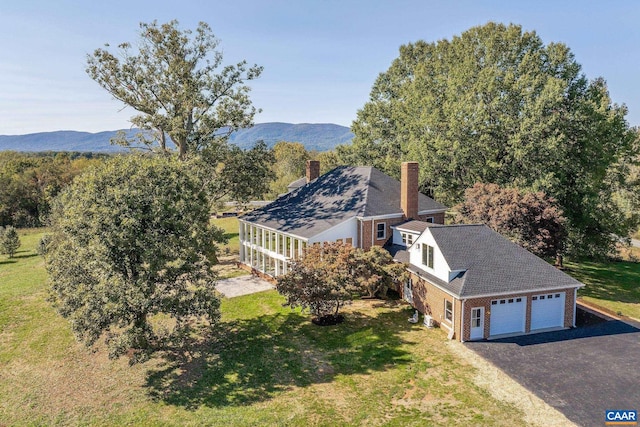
494 302
557 295
518 299
448 310
534 298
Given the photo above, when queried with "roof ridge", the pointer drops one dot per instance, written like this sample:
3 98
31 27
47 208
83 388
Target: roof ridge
367 187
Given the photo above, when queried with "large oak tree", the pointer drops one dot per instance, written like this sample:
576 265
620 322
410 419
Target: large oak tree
129 254
178 85
497 105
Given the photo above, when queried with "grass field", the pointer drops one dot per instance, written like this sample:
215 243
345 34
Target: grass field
612 285
264 365
230 227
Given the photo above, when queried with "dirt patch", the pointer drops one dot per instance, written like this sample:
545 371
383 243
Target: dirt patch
504 388
227 267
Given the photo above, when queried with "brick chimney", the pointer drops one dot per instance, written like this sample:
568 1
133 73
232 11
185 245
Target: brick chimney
313 170
409 189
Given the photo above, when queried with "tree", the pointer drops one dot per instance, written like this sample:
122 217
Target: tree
290 165
129 250
175 84
376 271
496 105
229 172
531 220
321 281
9 241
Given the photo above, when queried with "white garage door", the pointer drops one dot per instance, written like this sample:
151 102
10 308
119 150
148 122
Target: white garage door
507 315
547 311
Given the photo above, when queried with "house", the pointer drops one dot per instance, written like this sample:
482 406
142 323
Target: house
357 205
467 278
477 284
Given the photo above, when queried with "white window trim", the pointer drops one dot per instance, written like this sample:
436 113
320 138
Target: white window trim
384 230
450 311
432 249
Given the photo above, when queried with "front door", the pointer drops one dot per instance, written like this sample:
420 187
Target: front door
477 323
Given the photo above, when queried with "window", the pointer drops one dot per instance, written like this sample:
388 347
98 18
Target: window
407 239
381 230
430 219
427 255
448 310
349 241
476 317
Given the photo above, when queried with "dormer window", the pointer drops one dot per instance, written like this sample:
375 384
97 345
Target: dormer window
427 255
407 239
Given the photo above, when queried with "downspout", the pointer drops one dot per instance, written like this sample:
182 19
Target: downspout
575 301
453 320
372 233
462 322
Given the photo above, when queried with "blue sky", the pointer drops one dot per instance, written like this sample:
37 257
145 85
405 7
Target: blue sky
320 57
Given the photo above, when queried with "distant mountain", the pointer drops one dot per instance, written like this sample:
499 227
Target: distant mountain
319 137
316 136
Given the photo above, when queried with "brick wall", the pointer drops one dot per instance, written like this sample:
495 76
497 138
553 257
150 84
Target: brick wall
428 299
438 218
486 303
370 228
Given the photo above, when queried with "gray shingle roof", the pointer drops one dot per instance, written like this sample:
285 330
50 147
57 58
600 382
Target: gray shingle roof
297 183
333 198
493 264
414 226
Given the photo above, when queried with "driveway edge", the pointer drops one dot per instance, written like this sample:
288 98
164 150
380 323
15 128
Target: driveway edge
504 388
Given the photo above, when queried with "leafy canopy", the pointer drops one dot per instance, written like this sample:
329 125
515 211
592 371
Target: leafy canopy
178 85
530 219
329 275
128 254
322 280
496 105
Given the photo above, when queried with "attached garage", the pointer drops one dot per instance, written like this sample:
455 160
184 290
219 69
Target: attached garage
547 310
508 316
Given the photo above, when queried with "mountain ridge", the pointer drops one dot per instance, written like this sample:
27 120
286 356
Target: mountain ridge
314 136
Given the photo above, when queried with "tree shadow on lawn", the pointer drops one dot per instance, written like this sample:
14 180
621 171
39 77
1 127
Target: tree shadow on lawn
17 257
617 282
251 360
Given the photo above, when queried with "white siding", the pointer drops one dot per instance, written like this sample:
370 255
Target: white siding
440 267
344 230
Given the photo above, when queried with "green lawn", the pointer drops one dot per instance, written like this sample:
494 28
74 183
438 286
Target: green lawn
612 285
230 226
264 365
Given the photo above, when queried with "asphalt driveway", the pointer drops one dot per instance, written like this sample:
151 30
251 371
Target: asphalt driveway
581 372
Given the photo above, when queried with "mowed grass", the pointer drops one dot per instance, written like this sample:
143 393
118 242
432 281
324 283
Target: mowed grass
232 232
263 365
612 285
